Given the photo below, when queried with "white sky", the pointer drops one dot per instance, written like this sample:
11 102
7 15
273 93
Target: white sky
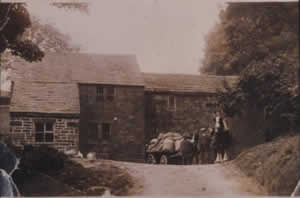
165 35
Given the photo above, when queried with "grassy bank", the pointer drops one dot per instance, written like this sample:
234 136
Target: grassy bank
274 165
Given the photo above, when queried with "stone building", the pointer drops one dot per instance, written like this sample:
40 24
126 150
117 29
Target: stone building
181 102
104 103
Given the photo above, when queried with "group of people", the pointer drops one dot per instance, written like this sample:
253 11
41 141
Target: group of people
212 144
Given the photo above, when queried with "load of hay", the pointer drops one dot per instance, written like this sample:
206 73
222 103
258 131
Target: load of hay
166 142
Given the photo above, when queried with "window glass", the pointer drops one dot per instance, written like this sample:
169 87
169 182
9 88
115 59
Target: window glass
99 94
49 126
49 137
172 103
44 131
39 137
110 93
39 127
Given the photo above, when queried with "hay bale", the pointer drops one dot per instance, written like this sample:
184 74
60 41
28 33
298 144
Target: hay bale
177 144
168 145
91 156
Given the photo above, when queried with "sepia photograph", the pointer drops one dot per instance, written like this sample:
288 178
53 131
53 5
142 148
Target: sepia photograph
149 98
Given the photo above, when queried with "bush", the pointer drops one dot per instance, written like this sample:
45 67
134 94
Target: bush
43 159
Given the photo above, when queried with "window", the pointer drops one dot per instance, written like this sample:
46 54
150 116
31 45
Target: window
172 103
89 94
44 131
105 131
105 93
110 93
99 94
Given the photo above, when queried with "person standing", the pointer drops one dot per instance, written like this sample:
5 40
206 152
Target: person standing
196 149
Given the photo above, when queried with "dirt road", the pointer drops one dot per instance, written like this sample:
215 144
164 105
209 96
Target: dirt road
190 180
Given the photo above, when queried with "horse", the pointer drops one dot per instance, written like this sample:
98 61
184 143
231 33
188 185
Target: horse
221 139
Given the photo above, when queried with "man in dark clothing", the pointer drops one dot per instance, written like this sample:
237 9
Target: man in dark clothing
196 150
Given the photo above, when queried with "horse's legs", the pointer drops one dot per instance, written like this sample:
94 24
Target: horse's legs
183 160
205 157
190 160
202 157
219 157
225 158
197 158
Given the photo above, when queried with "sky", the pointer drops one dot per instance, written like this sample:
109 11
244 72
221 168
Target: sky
167 36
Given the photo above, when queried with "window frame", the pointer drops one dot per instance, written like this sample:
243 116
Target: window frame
91 94
44 132
110 92
100 97
172 107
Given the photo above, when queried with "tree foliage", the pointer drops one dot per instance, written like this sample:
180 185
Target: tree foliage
258 42
80 6
15 19
48 38
250 32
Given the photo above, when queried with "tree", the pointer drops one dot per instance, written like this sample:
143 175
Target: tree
258 42
249 33
48 38
23 35
82 6
15 20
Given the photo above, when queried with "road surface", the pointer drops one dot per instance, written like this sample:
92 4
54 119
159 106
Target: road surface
204 180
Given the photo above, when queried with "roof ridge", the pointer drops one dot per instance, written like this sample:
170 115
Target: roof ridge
48 82
94 54
182 74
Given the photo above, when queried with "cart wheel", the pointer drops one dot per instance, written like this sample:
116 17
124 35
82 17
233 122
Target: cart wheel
163 159
151 159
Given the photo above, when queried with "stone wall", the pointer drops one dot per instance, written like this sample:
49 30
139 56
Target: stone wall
4 114
65 130
191 113
124 114
196 111
4 119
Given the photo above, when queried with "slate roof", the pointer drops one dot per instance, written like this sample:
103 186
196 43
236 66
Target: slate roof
51 86
81 67
186 83
45 98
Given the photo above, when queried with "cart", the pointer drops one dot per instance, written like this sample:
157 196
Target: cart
157 154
